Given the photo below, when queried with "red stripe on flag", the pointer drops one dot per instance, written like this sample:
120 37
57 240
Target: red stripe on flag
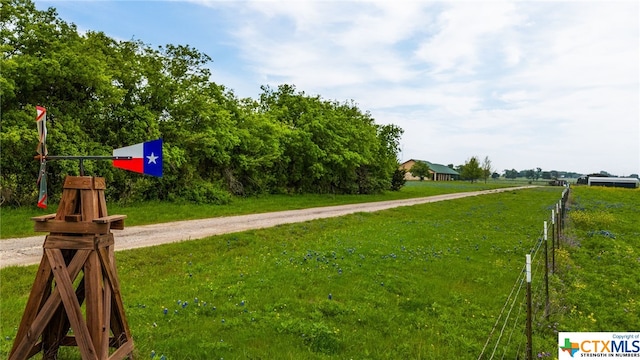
135 164
42 203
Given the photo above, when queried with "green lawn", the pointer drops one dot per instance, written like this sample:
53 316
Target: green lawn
415 282
419 282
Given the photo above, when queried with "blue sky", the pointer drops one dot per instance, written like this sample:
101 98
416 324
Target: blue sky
554 85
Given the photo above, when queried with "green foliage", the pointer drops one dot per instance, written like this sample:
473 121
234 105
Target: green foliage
533 174
511 174
486 168
420 169
398 180
102 94
471 170
204 193
329 147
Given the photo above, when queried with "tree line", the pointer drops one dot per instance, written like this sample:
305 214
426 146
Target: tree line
538 173
103 94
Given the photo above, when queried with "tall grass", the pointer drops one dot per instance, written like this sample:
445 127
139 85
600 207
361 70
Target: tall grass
419 282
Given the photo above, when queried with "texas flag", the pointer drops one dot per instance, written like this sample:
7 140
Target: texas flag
146 158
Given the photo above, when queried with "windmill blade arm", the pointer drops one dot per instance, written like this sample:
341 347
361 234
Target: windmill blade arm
86 157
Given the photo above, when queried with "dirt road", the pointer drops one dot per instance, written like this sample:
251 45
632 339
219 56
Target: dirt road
27 251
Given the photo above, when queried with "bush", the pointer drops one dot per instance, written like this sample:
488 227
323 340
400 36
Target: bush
398 180
202 192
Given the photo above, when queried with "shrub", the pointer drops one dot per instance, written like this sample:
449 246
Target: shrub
202 192
398 180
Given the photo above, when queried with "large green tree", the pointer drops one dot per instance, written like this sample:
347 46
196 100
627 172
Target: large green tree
471 170
420 169
330 146
45 63
103 94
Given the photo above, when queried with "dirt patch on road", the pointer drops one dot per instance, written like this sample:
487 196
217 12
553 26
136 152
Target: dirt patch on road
28 251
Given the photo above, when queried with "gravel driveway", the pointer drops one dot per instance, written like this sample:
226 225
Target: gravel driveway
28 251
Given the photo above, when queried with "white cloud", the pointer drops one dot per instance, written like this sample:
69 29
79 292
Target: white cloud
352 43
526 83
512 54
464 30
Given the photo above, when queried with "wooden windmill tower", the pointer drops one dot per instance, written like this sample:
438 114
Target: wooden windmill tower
77 269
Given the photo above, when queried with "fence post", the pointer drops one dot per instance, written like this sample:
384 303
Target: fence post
558 224
529 355
563 204
561 214
546 272
553 241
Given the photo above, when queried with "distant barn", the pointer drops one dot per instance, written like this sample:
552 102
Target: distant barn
631 183
437 172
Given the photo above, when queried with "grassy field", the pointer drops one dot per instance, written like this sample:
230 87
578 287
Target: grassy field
416 282
15 222
420 282
597 287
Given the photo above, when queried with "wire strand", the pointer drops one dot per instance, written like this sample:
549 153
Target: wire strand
500 315
506 319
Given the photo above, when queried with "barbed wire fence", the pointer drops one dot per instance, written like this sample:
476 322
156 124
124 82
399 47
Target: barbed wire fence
528 300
